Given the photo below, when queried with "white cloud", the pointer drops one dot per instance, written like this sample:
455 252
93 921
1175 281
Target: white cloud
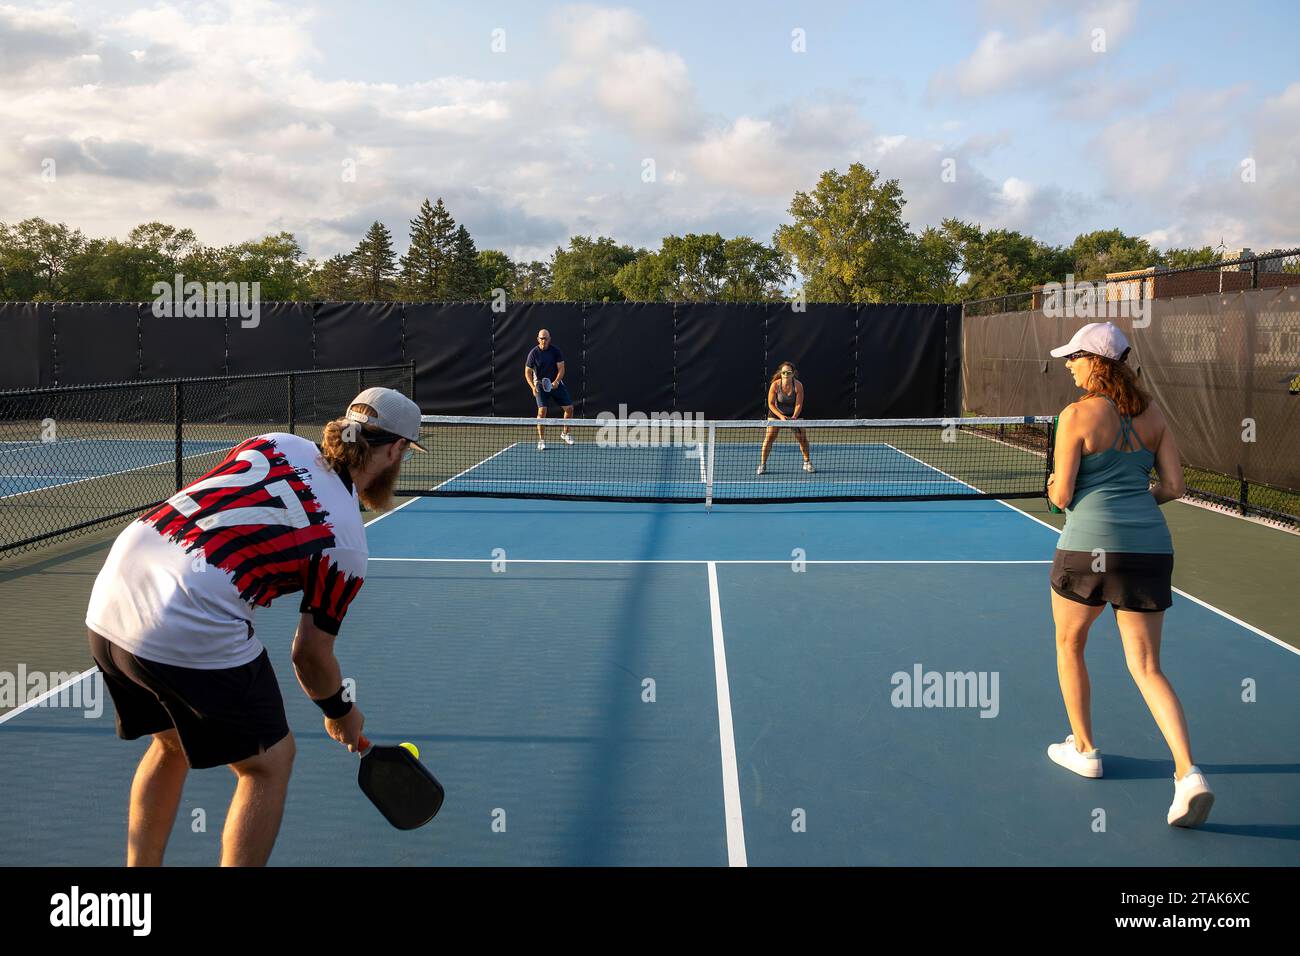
1152 154
1003 61
635 84
150 117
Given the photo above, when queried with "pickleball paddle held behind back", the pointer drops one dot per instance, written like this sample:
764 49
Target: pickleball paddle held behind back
404 790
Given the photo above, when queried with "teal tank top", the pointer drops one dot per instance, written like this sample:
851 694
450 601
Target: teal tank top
1113 508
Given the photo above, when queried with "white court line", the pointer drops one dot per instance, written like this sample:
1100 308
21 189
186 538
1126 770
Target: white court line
109 474
1205 604
726 734
49 693
440 484
1191 597
699 561
18 710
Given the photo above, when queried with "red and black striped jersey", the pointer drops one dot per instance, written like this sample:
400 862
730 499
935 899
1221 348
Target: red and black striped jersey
181 584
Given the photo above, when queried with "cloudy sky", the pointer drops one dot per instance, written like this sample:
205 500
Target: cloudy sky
539 121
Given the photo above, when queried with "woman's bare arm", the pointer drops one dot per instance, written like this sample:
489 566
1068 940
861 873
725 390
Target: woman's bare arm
798 399
1069 451
1169 464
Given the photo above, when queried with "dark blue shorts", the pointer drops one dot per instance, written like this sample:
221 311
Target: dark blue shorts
559 394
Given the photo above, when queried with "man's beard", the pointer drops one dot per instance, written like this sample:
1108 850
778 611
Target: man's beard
378 495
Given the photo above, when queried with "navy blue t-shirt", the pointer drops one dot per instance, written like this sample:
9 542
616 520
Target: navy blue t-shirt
545 361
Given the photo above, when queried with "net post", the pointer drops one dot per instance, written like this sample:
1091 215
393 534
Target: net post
178 410
708 468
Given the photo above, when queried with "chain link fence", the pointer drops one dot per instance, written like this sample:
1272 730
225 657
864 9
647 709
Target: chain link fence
1224 368
73 458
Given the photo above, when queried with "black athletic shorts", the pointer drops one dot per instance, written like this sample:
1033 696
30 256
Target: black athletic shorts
1129 581
222 716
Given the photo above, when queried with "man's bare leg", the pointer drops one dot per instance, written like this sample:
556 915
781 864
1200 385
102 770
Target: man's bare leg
155 798
257 806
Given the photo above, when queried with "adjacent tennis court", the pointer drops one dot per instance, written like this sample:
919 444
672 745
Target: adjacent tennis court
29 466
650 683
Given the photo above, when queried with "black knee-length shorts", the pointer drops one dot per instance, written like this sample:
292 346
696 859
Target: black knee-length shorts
1127 580
221 716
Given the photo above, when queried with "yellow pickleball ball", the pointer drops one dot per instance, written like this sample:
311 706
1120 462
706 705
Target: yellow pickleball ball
415 751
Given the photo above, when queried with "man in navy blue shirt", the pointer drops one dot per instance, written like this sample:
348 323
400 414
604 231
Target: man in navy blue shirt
544 373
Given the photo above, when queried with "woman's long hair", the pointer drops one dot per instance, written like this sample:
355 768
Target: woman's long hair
776 376
1116 381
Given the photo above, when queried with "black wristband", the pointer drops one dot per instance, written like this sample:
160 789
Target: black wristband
334 705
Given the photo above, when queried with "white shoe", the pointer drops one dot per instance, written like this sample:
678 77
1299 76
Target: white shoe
807 466
761 469
568 439
1192 800
541 446
1068 756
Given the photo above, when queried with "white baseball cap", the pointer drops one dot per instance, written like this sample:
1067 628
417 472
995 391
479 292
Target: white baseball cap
1099 338
394 413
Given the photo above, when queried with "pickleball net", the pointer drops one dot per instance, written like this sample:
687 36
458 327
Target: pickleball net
669 458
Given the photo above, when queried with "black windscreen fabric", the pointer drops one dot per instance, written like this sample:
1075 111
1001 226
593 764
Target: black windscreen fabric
901 361
181 347
820 342
358 333
514 333
29 345
451 345
629 357
96 342
719 359
952 346
281 341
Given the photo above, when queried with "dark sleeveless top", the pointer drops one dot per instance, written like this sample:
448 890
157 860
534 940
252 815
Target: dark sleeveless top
785 402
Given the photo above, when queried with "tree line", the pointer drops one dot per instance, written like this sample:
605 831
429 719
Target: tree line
847 241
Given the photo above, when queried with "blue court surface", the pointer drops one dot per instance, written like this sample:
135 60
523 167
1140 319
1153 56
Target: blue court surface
602 683
27 466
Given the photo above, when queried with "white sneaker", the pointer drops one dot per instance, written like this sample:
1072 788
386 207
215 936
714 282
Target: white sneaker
1192 800
761 469
1068 756
568 439
807 466
541 446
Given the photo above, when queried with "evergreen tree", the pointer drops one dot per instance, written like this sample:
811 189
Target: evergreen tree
464 280
375 264
333 281
427 265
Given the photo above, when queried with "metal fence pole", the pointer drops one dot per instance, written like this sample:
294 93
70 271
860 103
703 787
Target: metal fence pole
178 408
293 417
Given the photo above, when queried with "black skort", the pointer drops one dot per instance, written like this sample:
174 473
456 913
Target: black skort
1130 581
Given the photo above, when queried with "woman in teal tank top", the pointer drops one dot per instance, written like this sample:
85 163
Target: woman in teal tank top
1116 550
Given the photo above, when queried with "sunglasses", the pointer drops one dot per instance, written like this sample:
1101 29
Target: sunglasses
786 374
1075 356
